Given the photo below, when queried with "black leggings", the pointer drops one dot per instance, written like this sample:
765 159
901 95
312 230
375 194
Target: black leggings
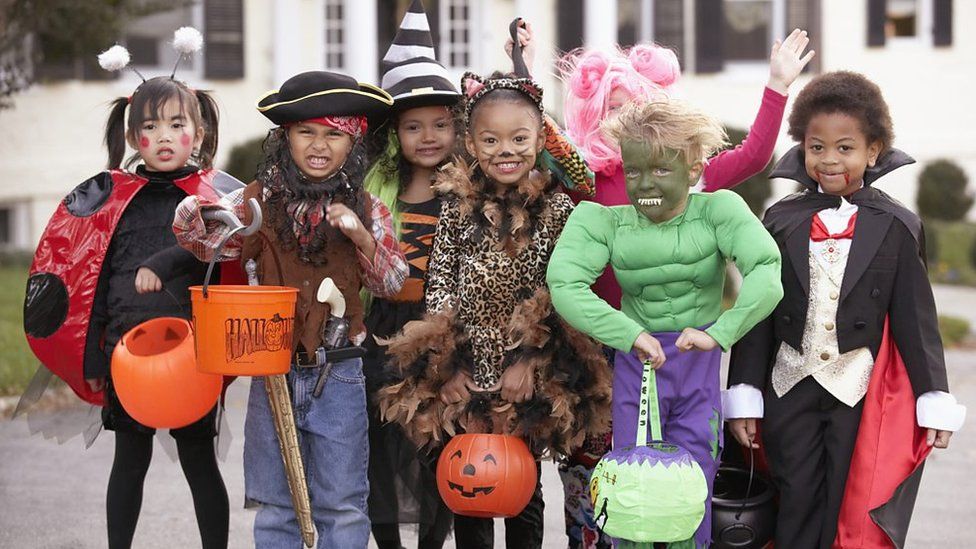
133 452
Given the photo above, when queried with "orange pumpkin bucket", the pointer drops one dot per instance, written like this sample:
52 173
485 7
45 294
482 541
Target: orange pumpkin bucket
155 376
486 475
243 330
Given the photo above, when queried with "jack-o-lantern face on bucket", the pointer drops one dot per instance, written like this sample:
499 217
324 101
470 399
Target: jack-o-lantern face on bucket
469 472
485 475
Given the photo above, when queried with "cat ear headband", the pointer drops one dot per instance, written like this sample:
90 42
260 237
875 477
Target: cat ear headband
475 87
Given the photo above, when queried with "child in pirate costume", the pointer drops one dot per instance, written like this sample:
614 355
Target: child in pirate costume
101 266
668 250
320 223
845 419
490 355
419 137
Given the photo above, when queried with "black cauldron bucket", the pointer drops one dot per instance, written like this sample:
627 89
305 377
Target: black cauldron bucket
743 516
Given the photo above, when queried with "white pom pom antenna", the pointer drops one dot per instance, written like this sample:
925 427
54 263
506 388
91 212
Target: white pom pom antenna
114 59
187 40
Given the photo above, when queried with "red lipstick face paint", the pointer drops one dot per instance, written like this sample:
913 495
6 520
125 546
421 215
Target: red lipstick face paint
143 142
185 140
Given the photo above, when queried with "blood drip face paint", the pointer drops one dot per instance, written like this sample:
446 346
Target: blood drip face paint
837 153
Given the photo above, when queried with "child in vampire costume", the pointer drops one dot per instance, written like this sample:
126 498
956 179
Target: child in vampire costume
842 430
668 251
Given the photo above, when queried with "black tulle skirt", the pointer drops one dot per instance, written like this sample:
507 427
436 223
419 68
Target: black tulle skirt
401 478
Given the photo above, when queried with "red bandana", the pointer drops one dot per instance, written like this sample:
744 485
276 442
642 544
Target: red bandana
353 125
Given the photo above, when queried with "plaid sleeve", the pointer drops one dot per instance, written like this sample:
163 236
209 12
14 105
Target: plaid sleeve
202 237
385 273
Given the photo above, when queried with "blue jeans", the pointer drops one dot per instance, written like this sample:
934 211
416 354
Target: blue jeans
332 434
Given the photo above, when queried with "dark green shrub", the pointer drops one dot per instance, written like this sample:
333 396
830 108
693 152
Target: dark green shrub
244 159
942 192
756 190
954 330
932 244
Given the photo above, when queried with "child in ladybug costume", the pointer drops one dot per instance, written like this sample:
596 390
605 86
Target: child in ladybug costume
101 264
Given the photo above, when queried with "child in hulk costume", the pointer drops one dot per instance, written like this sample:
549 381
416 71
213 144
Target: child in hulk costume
668 250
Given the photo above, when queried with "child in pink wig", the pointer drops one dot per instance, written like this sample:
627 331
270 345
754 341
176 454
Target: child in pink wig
598 83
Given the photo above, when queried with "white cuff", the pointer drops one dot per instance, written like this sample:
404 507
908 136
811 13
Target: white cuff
742 401
939 410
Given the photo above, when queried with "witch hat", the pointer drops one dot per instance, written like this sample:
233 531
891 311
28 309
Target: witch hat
412 74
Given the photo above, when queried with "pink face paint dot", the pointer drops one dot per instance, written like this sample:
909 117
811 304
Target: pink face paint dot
143 142
185 140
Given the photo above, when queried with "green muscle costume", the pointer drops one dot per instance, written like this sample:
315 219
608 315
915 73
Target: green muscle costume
671 273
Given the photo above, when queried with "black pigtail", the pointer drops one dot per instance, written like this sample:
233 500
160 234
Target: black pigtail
211 120
115 133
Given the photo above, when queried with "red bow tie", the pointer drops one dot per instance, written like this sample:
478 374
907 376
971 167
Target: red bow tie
819 232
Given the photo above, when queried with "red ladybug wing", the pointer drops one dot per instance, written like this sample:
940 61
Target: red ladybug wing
64 275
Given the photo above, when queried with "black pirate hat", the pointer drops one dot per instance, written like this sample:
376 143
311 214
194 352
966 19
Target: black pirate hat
412 74
316 94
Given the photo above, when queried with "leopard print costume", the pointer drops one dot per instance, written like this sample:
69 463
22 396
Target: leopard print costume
487 307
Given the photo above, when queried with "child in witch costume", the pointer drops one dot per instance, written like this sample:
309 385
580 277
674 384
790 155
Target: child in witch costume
99 269
668 250
420 138
824 369
490 355
320 223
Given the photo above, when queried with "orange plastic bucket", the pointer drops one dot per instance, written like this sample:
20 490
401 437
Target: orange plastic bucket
243 330
155 375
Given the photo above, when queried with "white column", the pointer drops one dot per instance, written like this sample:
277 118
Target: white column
599 23
360 40
287 45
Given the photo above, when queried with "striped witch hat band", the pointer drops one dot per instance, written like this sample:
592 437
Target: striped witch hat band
412 74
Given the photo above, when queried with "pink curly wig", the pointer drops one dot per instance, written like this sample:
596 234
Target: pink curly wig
645 71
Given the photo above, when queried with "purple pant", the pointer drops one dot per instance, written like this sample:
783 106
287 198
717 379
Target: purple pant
690 403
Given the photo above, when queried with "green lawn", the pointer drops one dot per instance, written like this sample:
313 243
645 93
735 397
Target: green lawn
17 363
953 265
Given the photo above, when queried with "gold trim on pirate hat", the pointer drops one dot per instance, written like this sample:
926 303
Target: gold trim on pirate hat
412 74
315 94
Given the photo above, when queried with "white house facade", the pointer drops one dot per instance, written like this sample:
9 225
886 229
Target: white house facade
915 50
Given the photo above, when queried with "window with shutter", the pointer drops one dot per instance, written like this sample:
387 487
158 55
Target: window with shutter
335 58
569 22
669 27
709 25
805 14
942 27
224 38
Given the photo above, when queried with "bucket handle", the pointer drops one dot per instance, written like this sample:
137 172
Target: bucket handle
236 226
649 412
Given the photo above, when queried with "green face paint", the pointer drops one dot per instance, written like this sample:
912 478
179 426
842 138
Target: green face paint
657 184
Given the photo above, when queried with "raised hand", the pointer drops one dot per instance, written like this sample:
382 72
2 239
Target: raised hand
525 36
786 61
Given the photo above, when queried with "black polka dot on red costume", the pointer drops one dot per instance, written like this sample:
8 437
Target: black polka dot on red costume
89 197
46 305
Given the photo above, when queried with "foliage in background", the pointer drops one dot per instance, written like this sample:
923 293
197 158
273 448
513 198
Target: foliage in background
954 330
61 31
244 159
954 245
942 192
757 189
17 363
